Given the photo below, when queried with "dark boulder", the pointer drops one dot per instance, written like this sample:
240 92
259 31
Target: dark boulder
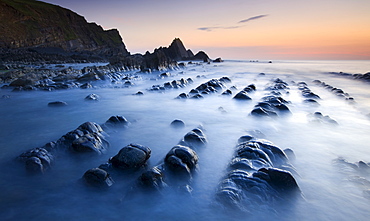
195 138
37 160
280 179
97 177
132 156
182 96
90 142
57 104
218 60
227 92
177 123
117 120
242 95
152 179
182 161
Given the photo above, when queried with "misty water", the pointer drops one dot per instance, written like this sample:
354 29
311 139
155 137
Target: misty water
330 190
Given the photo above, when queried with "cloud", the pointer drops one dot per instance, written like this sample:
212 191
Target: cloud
217 27
232 27
252 18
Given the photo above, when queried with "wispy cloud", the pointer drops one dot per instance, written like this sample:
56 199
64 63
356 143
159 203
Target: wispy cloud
232 27
217 27
252 18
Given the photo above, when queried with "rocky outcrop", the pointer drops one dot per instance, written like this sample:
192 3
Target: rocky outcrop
259 173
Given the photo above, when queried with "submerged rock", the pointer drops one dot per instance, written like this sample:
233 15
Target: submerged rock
256 176
132 156
242 95
177 123
57 104
97 177
92 97
181 161
37 160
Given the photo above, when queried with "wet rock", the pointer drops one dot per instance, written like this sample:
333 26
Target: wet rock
37 160
86 86
225 80
152 179
195 138
132 156
218 60
89 143
197 96
139 93
92 97
261 112
182 96
255 176
181 161
165 75
91 76
280 179
117 121
250 88
311 101
97 177
177 123
227 92
242 95
319 118
21 82
57 104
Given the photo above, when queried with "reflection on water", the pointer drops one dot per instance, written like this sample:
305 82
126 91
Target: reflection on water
329 194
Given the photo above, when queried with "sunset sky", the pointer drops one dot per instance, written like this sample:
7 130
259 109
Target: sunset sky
238 29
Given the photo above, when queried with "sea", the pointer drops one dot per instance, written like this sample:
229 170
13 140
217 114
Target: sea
326 154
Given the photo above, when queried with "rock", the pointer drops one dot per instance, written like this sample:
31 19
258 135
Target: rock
181 161
290 154
90 127
139 93
177 123
182 96
20 82
218 60
97 177
86 86
255 176
57 104
132 156
227 92
37 160
242 95
165 75
92 97
89 143
225 80
117 121
195 138
91 76
152 179
279 179
197 96
202 56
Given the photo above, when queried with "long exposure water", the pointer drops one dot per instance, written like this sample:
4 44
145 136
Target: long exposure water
331 191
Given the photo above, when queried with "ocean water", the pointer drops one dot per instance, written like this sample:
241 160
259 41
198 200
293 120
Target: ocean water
330 190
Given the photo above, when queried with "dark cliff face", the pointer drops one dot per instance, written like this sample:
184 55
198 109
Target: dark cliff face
29 23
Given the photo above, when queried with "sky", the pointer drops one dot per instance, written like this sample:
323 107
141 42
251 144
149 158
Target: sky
238 29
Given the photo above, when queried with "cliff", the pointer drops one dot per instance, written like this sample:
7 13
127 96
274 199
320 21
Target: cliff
35 31
35 24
